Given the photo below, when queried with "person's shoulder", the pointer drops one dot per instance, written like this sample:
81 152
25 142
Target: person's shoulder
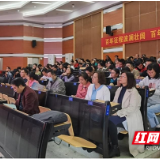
91 86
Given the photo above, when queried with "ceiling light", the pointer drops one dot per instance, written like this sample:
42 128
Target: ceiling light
41 2
17 10
64 10
89 1
13 5
45 10
34 6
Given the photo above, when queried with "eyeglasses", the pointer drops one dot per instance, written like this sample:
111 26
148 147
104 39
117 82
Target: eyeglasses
122 77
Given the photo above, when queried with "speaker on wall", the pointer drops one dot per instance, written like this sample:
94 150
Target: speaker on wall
34 43
109 31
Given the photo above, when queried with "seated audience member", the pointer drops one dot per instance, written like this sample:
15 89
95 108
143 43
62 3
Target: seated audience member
68 76
139 66
109 63
107 59
148 61
158 61
55 84
90 72
55 68
130 59
37 72
100 66
24 75
111 67
98 90
72 64
76 65
5 75
60 69
80 65
130 100
34 67
83 86
114 76
83 62
136 59
135 72
40 67
33 78
116 57
27 100
153 81
125 69
9 75
121 64
44 73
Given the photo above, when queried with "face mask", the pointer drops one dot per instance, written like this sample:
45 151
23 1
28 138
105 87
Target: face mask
50 79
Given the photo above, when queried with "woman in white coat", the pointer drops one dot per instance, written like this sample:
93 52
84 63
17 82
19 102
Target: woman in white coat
130 100
98 90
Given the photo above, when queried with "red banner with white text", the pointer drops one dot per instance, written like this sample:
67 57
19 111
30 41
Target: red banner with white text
132 37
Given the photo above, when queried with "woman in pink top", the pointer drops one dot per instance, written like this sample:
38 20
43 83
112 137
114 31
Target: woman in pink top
83 86
32 79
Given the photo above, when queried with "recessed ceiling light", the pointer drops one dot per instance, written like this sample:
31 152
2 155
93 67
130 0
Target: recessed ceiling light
89 1
41 2
34 6
17 10
64 10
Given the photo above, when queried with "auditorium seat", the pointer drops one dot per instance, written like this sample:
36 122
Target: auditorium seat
71 88
112 90
43 109
73 140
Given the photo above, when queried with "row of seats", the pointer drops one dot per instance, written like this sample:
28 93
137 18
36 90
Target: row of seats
22 136
88 117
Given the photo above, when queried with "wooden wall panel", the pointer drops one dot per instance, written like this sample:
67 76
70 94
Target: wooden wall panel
68 46
68 31
146 15
132 49
130 24
148 21
11 46
52 32
147 6
52 47
112 18
11 31
33 31
78 38
39 49
158 5
131 9
149 48
158 18
14 62
87 44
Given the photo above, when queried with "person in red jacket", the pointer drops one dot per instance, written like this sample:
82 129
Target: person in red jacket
76 65
27 100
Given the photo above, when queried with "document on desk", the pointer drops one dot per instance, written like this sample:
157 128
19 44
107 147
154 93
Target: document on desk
13 106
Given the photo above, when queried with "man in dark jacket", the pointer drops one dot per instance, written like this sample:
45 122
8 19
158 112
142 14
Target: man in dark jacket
27 100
